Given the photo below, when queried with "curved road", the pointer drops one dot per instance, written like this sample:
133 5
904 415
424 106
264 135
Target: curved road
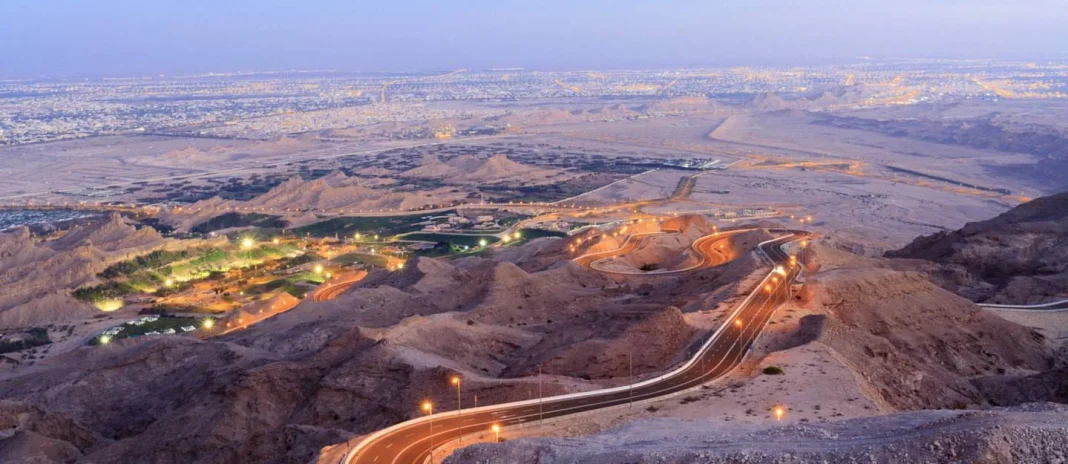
704 247
410 442
331 290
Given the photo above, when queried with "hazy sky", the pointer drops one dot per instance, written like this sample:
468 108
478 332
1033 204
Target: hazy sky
125 37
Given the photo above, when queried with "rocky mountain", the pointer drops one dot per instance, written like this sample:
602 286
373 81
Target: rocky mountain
1018 257
334 191
325 372
37 276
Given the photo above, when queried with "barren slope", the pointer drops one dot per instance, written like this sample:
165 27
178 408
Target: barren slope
1019 257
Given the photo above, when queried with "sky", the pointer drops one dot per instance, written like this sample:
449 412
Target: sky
41 38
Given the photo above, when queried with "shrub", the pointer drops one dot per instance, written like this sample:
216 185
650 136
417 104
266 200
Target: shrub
773 370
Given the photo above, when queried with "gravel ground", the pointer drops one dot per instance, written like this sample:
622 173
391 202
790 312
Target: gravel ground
1032 433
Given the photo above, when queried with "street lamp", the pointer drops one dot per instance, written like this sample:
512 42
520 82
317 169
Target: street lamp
208 323
738 323
497 431
105 339
482 243
318 268
460 410
779 412
247 243
428 407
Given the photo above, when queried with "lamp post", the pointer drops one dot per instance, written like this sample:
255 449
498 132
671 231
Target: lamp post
497 433
541 413
460 411
429 408
630 392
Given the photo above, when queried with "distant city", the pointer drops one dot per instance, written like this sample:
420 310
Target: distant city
264 105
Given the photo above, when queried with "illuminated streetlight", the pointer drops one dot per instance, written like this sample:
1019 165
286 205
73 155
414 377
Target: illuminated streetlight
168 283
318 268
497 431
455 380
482 243
329 275
738 323
247 243
208 323
428 408
105 339
767 288
275 241
779 412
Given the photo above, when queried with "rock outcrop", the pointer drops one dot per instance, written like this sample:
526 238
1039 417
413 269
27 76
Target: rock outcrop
1019 257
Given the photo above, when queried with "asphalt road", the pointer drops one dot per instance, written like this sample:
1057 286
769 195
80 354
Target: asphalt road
704 246
410 442
332 289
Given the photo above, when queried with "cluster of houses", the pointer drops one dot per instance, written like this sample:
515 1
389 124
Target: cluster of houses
113 331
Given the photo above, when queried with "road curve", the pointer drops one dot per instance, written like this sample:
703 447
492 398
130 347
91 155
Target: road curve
410 442
331 289
703 246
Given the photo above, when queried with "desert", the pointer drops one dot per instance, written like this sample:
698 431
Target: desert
730 265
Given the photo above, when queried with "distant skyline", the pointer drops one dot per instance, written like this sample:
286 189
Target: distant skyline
125 38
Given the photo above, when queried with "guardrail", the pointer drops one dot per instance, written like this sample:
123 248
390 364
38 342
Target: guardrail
1046 307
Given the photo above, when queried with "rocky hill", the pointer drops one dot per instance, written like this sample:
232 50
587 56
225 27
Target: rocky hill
37 276
1032 434
334 191
325 372
467 169
1019 257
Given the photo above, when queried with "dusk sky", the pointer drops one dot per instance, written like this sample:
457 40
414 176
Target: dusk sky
122 37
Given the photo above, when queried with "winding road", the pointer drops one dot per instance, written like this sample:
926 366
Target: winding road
705 247
411 442
331 289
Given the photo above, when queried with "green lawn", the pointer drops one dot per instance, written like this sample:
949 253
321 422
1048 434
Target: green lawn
363 258
347 227
456 240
